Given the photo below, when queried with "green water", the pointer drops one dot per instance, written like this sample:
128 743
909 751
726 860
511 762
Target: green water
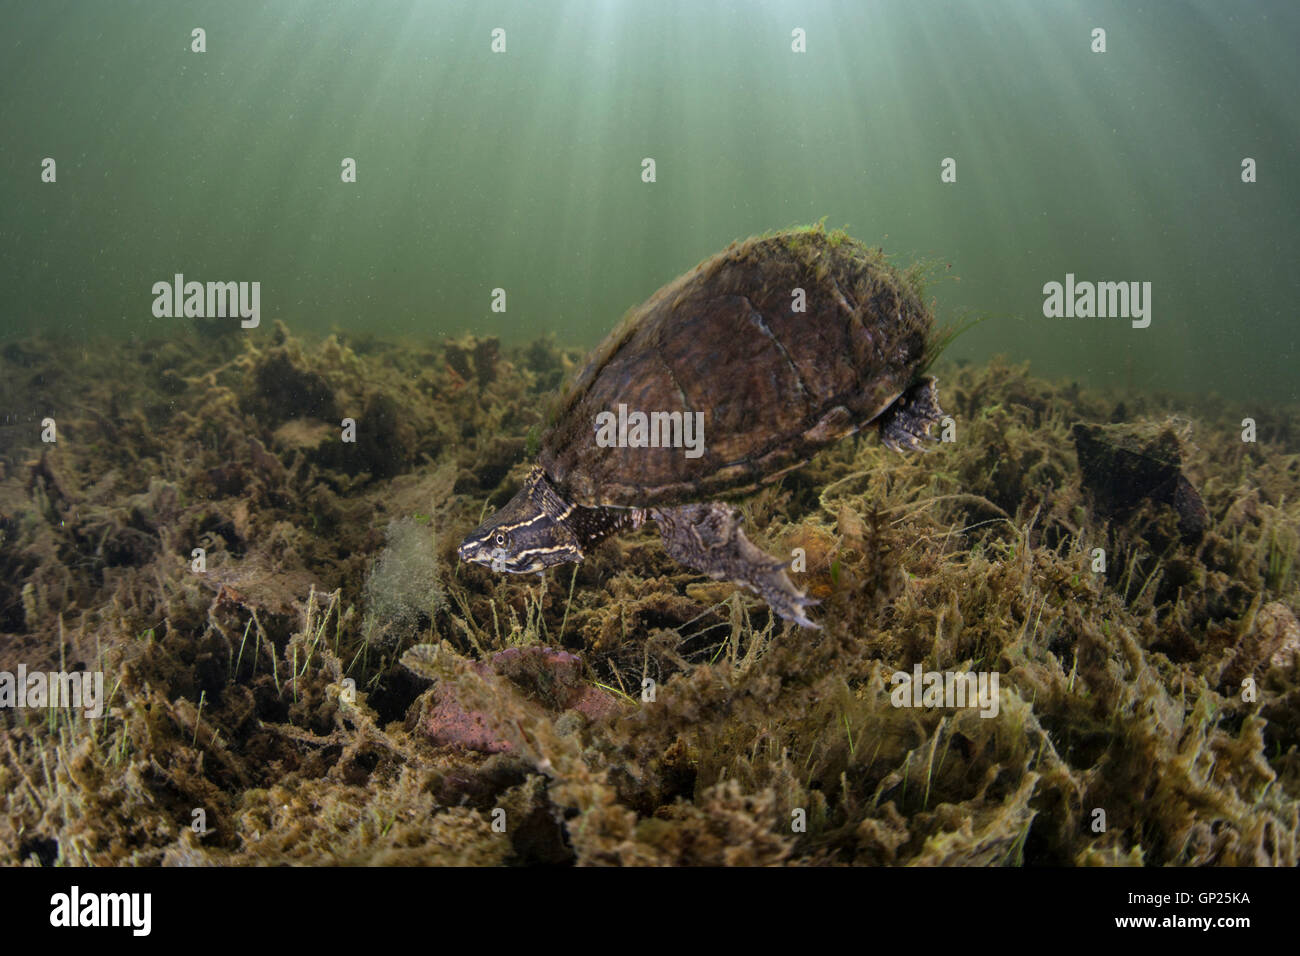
522 170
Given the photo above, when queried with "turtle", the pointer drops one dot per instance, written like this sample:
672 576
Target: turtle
741 370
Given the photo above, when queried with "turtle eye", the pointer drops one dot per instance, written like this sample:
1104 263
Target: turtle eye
501 539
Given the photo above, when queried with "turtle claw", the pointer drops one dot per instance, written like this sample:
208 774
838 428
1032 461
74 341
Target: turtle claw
793 611
906 424
708 538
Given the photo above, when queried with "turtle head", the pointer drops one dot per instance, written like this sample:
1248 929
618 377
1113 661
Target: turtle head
528 534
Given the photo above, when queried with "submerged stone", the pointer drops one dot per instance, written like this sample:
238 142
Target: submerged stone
1124 466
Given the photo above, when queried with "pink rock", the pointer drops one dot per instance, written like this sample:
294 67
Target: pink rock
546 676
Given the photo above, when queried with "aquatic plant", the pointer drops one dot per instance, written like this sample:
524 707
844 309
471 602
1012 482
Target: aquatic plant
402 589
256 692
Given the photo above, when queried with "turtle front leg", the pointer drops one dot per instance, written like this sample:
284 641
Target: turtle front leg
708 538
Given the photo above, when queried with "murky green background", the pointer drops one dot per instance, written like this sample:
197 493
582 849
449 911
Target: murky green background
522 170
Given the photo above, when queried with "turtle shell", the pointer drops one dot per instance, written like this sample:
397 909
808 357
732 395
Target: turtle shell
775 384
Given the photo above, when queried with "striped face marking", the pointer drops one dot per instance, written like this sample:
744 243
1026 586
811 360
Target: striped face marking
529 534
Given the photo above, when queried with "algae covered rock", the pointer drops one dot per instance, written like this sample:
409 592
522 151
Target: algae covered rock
546 677
1123 466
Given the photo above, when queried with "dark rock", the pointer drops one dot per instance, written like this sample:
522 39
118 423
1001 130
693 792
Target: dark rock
1124 466
282 391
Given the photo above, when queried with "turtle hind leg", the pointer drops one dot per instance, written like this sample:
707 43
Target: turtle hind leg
907 422
708 538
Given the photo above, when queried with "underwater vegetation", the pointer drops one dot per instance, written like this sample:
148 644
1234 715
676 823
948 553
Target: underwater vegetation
335 687
403 587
